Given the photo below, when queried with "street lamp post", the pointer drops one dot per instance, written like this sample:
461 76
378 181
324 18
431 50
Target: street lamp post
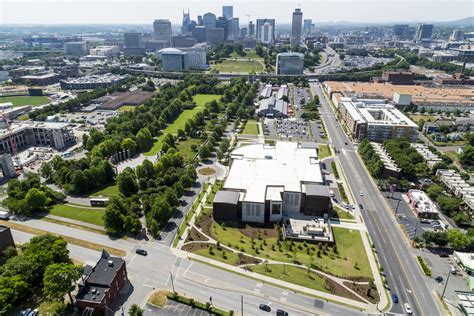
446 284
242 305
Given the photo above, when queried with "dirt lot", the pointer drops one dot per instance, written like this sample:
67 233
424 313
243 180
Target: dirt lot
362 290
257 231
195 235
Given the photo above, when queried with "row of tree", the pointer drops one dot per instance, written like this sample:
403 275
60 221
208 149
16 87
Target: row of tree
456 238
405 156
370 158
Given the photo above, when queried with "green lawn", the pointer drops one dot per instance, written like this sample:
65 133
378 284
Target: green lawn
292 274
350 260
418 117
184 147
109 191
223 255
324 151
24 100
340 213
251 128
239 66
201 100
342 192
126 108
92 215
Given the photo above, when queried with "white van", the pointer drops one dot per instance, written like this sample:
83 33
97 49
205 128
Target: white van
331 193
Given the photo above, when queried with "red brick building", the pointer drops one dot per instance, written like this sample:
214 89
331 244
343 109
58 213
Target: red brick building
102 284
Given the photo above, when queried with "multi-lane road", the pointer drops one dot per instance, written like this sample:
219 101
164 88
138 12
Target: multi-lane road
400 266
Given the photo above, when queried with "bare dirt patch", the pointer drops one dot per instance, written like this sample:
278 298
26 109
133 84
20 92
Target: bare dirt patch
195 235
204 222
259 232
207 171
196 246
363 290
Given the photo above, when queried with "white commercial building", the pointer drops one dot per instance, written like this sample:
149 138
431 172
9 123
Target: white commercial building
277 180
422 204
110 52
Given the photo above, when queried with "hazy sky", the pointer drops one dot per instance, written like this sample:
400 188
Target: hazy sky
145 11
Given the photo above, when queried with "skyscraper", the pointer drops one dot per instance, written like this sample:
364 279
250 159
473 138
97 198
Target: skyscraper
209 20
133 43
251 29
296 23
228 12
185 24
307 26
266 33
400 30
162 30
423 32
233 28
259 28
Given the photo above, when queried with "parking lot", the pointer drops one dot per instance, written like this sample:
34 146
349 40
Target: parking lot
287 129
95 119
172 308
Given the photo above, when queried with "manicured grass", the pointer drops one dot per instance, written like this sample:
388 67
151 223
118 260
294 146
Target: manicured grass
24 100
239 66
91 215
350 260
334 169
251 128
72 225
184 147
222 255
292 274
52 308
126 108
111 190
201 100
340 213
324 151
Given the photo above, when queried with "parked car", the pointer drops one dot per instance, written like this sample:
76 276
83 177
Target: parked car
439 279
141 252
408 308
281 312
265 307
26 312
34 312
394 298
424 221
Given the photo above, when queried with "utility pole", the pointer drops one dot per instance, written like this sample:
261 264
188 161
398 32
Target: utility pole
398 203
242 305
172 282
446 284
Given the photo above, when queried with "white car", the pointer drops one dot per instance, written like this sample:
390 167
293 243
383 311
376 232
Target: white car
361 193
408 308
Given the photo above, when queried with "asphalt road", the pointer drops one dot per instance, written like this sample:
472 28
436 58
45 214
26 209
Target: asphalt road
403 273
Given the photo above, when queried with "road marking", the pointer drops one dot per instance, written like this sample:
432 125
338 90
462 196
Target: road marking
187 269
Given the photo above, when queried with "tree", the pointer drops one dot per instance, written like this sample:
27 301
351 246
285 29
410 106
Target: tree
457 239
205 152
434 190
181 134
113 220
135 310
144 139
12 289
127 182
60 279
129 144
47 170
35 199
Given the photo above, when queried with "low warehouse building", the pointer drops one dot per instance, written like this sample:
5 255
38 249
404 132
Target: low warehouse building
267 183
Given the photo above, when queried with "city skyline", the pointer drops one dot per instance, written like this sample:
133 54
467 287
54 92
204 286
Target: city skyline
141 12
